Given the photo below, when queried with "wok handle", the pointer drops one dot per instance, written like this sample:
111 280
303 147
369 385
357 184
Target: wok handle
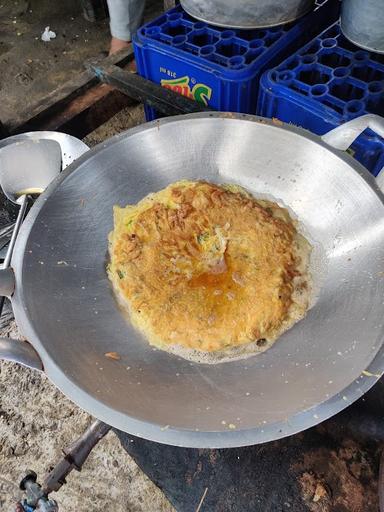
20 352
344 135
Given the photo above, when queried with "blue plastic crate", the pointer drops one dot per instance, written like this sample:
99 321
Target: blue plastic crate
216 66
327 82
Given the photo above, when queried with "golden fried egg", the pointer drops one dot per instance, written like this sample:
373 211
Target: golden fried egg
208 271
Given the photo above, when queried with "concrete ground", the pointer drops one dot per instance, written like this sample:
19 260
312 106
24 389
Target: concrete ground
36 420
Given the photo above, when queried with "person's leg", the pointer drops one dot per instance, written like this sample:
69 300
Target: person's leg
125 18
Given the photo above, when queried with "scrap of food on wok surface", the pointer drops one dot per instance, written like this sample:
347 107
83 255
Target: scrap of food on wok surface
207 271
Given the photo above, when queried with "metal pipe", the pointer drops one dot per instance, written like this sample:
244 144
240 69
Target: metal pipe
23 201
166 101
75 456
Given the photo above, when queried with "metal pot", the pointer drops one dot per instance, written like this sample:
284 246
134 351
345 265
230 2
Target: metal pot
362 22
64 305
247 14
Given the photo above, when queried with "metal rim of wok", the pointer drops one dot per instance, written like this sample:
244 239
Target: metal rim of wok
164 433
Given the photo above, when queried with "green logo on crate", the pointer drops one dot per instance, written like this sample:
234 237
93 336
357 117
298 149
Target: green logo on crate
199 92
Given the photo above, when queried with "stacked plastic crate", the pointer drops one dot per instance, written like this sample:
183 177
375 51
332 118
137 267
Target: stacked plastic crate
326 83
220 68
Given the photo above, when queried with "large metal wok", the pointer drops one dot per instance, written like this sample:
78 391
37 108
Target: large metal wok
65 308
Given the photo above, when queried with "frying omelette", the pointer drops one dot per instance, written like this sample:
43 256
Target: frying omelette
209 272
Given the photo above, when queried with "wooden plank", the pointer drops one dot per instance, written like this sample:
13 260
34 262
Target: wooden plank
83 114
41 114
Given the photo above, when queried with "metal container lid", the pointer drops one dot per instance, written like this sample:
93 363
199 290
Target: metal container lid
362 22
247 14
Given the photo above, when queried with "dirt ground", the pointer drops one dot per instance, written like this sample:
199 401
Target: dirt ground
31 68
